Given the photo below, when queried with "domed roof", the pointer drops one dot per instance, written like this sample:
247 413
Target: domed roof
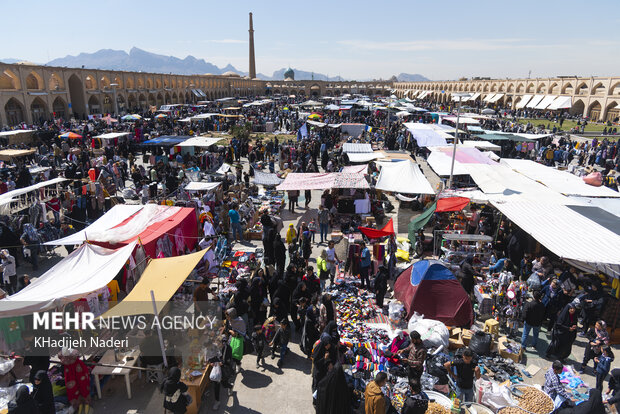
231 74
289 74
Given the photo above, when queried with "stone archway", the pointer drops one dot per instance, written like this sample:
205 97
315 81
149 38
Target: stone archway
34 81
612 113
132 103
142 103
76 94
9 81
59 108
38 110
94 107
577 108
594 110
14 111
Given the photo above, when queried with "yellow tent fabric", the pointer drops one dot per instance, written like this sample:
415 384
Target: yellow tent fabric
163 277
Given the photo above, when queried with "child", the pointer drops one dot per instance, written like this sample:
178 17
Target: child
280 339
312 228
259 341
603 364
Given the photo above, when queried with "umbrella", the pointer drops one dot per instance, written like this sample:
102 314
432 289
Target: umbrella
161 116
108 119
488 111
315 116
285 108
133 117
70 135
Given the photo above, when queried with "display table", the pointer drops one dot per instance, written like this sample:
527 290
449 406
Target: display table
196 387
122 367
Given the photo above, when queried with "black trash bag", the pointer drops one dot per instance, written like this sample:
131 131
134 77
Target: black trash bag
480 343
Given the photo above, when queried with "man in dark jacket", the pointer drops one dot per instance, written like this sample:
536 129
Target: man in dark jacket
533 317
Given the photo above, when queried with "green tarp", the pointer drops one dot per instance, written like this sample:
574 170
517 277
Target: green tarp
420 221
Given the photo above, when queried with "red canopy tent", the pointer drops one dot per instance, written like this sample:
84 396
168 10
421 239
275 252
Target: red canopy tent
371 233
184 220
431 289
451 204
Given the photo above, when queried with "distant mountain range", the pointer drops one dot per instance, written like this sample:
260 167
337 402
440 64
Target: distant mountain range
140 60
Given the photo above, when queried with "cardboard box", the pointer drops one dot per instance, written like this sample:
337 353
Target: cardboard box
503 351
455 343
466 336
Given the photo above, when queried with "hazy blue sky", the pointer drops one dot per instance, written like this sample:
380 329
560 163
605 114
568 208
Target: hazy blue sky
354 39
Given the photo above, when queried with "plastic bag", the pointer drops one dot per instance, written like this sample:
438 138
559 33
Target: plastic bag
433 333
595 179
396 310
480 343
6 365
494 395
236 345
216 373
533 282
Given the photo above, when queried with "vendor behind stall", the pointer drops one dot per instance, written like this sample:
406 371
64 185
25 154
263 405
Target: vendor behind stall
466 370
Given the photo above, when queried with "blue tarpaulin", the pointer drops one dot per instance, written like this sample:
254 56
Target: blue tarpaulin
167 140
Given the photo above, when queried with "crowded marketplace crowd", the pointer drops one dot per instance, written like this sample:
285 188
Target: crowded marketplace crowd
283 219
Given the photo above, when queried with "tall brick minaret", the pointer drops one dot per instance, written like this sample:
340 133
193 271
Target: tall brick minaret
252 58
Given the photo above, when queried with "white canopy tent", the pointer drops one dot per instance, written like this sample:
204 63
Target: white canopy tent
403 177
442 163
199 142
85 270
462 120
112 135
535 101
489 97
201 186
482 145
364 156
496 97
426 135
561 181
547 100
350 147
524 101
561 102
566 233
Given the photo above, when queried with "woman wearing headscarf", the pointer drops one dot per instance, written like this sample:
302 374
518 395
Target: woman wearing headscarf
594 405
564 333
22 282
310 332
301 291
333 393
614 389
174 398
278 310
43 394
321 358
257 296
23 404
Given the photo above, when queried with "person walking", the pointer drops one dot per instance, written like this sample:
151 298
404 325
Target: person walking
323 223
533 318
365 262
235 223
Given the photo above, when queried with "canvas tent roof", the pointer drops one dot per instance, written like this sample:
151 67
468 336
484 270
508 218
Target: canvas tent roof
442 163
582 240
546 101
112 135
524 101
8 154
482 145
201 186
426 135
85 270
263 178
163 277
349 147
166 140
199 142
431 289
496 97
124 223
355 169
364 156
403 177
561 102
322 181
561 181
535 101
